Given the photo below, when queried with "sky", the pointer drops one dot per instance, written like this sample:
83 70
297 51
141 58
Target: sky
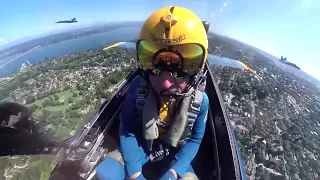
287 28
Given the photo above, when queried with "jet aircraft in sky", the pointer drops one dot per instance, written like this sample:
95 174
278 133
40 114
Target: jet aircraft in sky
73 20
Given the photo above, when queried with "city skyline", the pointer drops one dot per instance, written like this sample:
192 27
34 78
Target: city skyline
279 28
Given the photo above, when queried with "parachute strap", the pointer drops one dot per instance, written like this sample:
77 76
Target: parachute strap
202 81
194 106
141 95
192 114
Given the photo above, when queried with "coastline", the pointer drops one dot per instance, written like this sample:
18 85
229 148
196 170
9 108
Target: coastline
20 56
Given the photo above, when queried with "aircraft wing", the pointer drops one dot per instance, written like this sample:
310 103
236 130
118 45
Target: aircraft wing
213 59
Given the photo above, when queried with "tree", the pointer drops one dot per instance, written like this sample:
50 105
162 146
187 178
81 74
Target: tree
88 100
259 158
262 94
40 95
303 174
63 133
56 97
45 112
296 147
292 168
236 92
74 94
80 87
285 136
67 87
270 163
44 104
73 114
244 156
86 84
33 108
70 99
30 99
113 80
75 106
315 165
282 169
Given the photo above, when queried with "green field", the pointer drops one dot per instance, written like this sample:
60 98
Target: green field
63 97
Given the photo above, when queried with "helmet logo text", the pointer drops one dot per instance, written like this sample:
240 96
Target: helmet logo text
168 41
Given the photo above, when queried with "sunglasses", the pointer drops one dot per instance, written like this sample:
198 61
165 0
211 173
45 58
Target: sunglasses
179 60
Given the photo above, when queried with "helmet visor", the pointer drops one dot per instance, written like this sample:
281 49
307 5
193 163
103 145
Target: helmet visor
184 59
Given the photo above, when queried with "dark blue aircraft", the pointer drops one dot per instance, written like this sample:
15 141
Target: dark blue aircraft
73 20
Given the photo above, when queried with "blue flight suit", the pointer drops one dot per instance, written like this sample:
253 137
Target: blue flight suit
132 147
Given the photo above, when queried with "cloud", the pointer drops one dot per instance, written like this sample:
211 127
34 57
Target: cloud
211 15
225 4
2 42
300 7
306 4
50 27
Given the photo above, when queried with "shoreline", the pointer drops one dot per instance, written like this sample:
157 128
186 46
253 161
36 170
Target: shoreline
20 56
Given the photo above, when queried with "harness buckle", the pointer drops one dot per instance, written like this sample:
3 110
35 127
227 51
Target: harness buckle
141 98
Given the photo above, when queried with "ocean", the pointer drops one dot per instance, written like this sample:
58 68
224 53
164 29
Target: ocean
67 47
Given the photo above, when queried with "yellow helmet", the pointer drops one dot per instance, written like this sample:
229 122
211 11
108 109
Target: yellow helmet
175 26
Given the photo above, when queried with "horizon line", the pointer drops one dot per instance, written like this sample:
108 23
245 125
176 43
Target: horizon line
94 24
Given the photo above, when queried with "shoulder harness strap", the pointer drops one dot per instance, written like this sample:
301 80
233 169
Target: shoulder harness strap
194 109
142 94
141 98
192 114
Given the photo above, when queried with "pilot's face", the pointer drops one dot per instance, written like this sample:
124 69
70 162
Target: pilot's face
164 83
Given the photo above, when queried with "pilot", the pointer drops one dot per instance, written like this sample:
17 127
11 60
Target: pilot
164 114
